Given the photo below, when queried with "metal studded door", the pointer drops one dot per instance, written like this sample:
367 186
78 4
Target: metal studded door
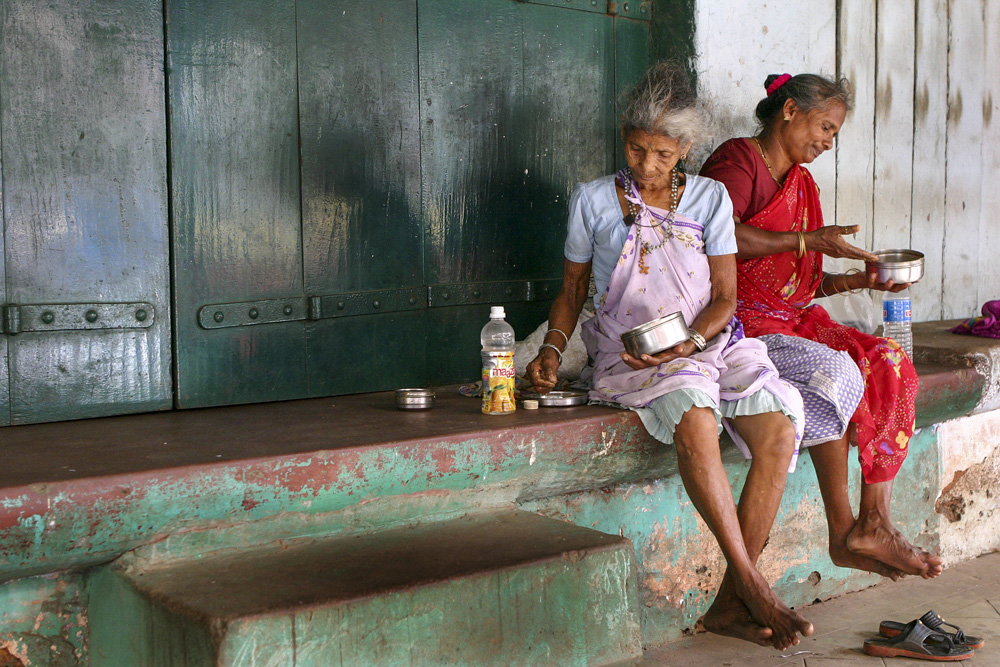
86 316
355 183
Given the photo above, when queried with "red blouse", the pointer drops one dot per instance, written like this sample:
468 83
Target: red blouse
738 165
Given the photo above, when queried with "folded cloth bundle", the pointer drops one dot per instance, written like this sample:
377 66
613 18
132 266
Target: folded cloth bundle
987 326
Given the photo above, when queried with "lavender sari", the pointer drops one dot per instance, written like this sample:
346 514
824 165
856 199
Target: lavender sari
671 275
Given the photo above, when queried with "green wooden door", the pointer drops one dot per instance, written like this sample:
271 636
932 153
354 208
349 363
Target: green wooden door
517 108
82 124
358 114
234 157
354 184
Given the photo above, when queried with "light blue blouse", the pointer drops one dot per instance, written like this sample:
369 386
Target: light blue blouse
597 229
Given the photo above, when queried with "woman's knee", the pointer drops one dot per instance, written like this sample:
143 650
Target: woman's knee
697 426
775 438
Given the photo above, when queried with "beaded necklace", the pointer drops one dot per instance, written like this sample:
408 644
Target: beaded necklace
770 169
645 247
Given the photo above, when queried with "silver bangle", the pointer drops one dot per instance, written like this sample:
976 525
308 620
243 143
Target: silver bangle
545 345
698 340
558 331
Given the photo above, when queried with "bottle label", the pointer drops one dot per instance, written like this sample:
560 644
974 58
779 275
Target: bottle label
498 383
896 311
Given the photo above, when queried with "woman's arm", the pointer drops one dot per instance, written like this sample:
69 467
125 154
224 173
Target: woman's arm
837 283
753 242
563 316
712 318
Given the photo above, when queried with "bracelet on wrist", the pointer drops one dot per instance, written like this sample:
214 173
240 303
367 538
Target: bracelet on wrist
699 341
559 331
802 245
551 346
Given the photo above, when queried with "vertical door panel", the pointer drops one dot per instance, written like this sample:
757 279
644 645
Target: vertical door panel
4 375
473 165
359 119
235 176
631 61
569 89
82 121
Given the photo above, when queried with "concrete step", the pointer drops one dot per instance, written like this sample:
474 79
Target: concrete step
493 589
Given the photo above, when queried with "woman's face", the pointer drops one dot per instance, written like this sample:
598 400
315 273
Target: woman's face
809 134
652 158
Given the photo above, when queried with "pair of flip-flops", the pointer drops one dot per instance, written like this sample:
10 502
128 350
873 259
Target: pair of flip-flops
925 638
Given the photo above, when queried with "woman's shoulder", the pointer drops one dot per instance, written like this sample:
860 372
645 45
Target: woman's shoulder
736 149
600 195
703 186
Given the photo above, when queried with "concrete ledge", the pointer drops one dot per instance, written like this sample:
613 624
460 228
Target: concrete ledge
197 481
933 344
107 486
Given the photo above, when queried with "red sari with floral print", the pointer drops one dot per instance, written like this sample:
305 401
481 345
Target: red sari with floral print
774 298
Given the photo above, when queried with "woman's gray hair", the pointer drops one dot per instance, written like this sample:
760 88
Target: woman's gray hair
664 102
810 91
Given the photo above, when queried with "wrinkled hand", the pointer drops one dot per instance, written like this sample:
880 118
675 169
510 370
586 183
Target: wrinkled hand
685 349
871 282
830 241
541 370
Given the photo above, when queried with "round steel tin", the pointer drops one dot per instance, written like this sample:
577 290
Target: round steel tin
414 399
558 399
656 336
898 265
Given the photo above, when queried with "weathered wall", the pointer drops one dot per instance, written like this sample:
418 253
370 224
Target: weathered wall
969 503
916 160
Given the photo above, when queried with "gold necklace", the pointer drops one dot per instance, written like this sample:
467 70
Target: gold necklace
770 169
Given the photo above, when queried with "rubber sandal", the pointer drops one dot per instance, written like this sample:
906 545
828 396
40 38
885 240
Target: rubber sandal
919 642
933 621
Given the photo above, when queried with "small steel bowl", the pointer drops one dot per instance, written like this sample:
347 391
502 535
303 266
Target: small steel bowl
414 399
900 266
656 336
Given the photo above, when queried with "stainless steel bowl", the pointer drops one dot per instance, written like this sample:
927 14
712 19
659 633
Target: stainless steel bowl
656 336
900 266
414 399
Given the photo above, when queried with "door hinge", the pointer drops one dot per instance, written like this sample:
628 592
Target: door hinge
348 304
42 317
633 9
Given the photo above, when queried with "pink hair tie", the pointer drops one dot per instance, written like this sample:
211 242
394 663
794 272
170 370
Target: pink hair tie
778 83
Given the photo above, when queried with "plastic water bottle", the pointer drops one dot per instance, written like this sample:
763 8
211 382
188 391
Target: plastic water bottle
897 315
498 364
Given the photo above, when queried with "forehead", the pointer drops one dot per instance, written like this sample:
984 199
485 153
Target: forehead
834 112
652 142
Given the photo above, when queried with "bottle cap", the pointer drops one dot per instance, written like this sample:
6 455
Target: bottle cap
529 404
496 313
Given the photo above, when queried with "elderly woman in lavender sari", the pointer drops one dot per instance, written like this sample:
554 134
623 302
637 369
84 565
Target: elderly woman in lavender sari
660 241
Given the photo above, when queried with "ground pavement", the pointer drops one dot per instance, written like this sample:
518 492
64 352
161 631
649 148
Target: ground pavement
967 595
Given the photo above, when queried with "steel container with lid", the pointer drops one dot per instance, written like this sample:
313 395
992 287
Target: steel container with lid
656 336
898 265
414 399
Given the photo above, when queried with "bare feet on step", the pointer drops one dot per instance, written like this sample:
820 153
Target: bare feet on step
844 557
768 611
874 537
731 618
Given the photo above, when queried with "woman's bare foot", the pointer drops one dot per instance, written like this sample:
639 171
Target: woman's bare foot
731 618
770 612
875 537
844 557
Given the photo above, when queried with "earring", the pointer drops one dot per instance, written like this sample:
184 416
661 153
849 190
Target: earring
684 157
788 117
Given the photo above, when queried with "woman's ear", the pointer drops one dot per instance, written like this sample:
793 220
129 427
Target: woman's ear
789 108
686 149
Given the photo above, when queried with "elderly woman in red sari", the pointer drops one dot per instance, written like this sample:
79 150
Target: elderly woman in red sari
846 377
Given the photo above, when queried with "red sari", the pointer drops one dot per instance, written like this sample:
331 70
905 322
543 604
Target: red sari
774 296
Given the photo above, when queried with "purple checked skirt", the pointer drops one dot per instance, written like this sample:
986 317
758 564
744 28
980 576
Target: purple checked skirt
830 383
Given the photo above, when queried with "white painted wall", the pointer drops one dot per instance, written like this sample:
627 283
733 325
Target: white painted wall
918 159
